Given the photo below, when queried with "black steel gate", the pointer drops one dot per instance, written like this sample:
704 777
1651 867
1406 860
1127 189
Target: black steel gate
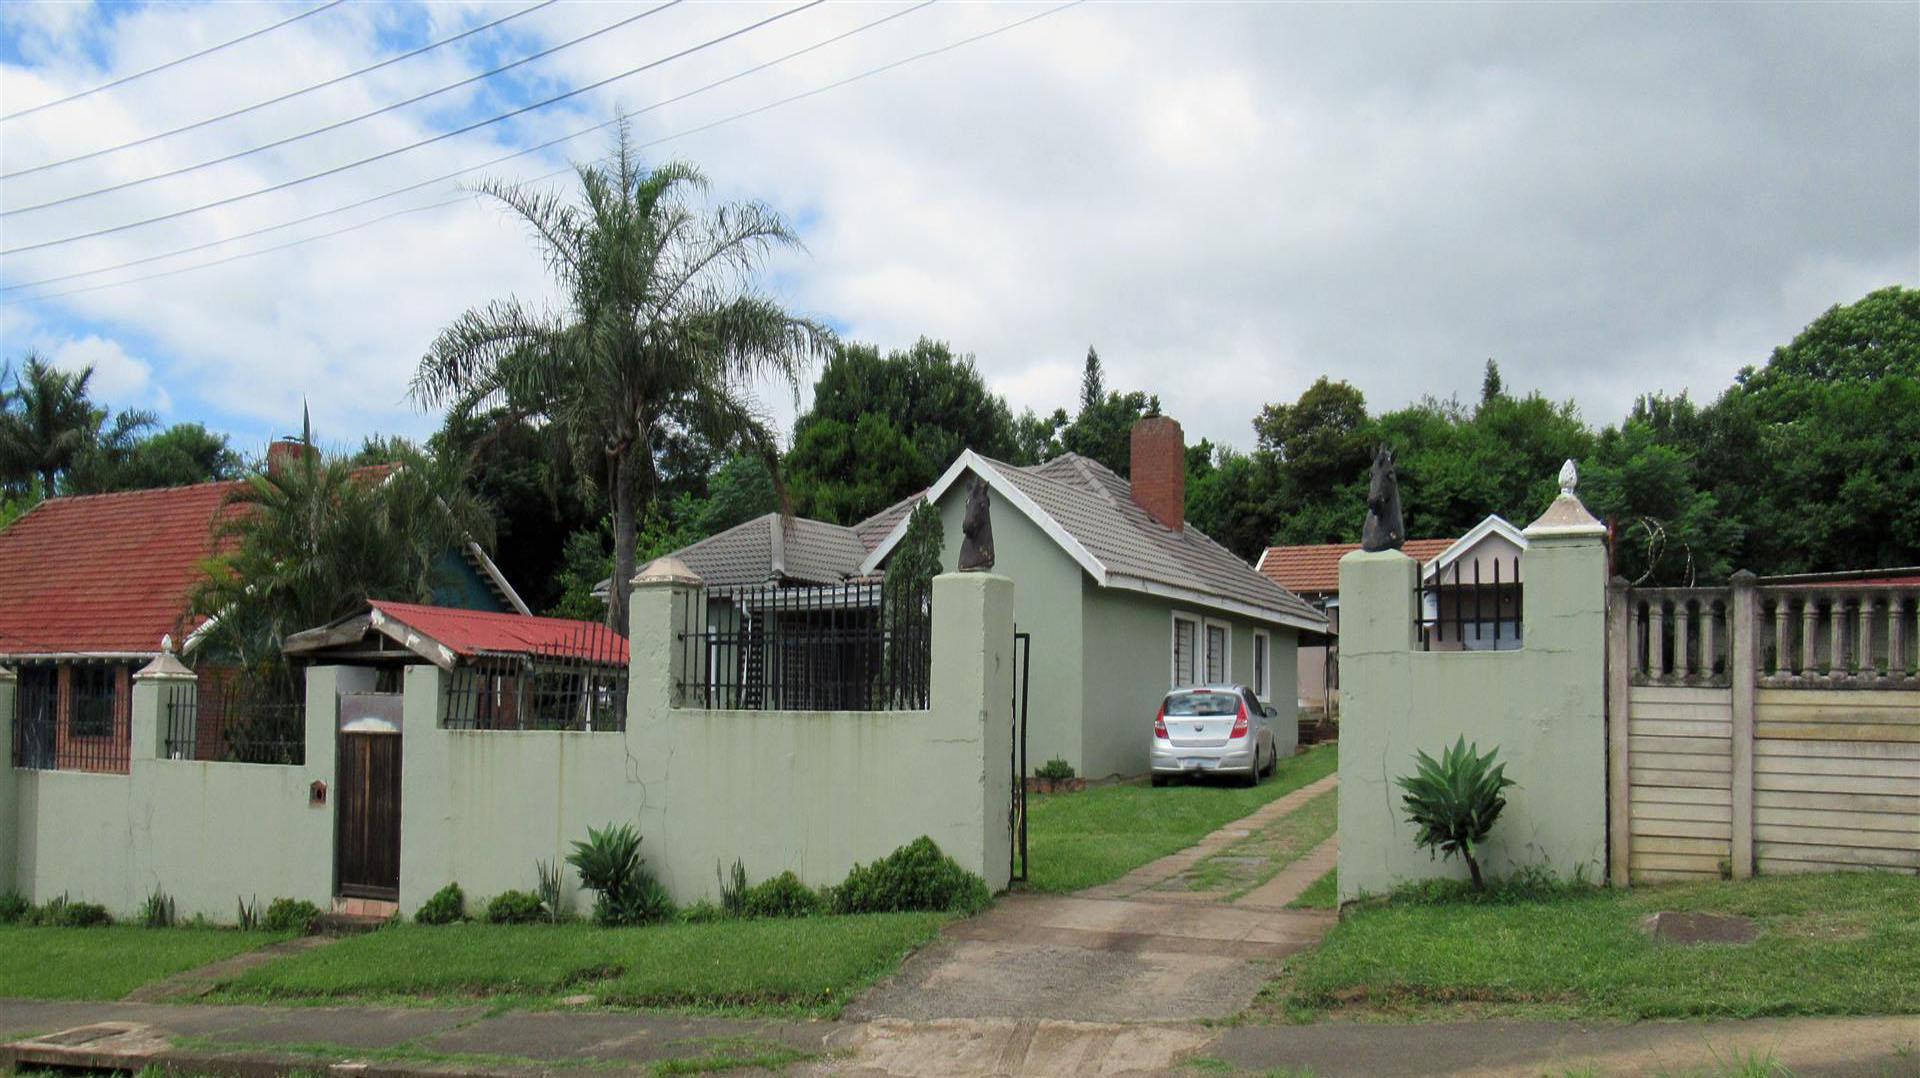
1017 812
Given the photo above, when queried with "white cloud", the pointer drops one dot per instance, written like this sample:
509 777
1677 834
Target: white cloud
118 378
1227 200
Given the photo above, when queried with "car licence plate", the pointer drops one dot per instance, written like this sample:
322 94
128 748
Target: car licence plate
1198 763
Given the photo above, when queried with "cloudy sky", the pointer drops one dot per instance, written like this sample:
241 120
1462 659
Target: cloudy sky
1228 200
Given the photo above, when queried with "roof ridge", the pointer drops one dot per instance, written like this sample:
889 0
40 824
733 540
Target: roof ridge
70 499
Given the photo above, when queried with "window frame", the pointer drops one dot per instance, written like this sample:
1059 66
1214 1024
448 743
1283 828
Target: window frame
1262 664
93 727
1226 650
1196 646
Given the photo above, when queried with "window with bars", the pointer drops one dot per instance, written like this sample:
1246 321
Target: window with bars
92 701
1185 634
1218 641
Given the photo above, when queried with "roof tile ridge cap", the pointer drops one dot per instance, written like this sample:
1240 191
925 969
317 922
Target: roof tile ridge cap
698 543
1080 463
179 488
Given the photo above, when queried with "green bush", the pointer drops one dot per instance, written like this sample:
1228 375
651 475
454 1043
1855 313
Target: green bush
516 908
702 912
916 876
1054 770
733 888
782 896
291 915
548 889
1454 801
158 911
610 865
14 907
448 905
62 912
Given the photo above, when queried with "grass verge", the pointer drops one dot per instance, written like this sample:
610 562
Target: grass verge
1252 861
1084 839
1845 943
808 965
109 962
1321 894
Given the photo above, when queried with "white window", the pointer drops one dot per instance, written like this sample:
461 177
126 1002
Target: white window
1219 661
1186 633
1261 661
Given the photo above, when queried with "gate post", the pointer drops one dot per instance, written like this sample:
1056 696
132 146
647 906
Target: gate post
1743 654
1619 740
972 700
9 798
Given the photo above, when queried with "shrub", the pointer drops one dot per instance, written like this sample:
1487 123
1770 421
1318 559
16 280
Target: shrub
291 915
1054 770
548 889
1454 801
448 904
610 865
516 908
782 896
916 876
249 916
733 890
158 911
63 912
702 912
14 907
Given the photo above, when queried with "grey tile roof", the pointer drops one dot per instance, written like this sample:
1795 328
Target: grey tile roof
1096 508
815 552
752 554
874 529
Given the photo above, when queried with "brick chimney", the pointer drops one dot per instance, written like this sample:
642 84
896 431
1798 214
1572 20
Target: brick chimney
1160 470
283 452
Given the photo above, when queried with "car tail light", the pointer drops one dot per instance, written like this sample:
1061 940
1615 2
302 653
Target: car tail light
1240 723
1160 723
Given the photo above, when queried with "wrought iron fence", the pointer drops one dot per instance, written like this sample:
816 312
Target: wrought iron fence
89 733
861 646
225 717
1469 613
578 684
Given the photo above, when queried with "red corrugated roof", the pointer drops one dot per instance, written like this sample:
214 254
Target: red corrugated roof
474 632
105 572
1315 570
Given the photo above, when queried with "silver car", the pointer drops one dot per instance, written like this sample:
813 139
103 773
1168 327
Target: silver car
1215 729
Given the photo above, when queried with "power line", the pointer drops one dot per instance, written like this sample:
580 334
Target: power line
337 124
283 185
290 95
124 79
869 73
550 143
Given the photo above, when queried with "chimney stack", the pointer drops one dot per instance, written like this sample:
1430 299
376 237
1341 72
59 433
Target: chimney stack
283 452
1159 468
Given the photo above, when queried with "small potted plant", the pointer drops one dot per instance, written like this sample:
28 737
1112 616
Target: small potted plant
1056 777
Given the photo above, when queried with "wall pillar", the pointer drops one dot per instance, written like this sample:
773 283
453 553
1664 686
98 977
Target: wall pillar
154 686
1619 743
666 600
1743 671
972 697
9 785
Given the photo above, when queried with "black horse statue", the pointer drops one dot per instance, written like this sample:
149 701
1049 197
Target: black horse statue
1384 529
976 530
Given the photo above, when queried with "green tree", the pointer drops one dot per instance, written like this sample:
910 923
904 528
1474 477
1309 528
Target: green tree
1103 428
661 331
933 403
47 424
1036 438
181 455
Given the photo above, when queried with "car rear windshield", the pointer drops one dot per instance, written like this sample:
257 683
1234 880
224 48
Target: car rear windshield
1188 704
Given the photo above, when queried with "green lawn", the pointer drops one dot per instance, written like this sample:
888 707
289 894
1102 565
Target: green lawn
1088 838
1252 861
111 961
1321 894
1830 944
803 965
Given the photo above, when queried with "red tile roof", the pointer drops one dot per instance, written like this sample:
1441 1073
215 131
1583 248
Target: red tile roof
474 632
105 573
1315 570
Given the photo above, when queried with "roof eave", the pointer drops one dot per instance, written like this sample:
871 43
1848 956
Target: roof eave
1218 602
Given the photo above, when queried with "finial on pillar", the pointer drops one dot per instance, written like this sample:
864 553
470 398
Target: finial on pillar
1569 479
1566 516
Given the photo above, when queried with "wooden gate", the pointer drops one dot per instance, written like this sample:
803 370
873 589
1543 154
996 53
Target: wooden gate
367 812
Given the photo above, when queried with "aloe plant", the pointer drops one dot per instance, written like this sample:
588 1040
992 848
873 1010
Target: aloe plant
1455 800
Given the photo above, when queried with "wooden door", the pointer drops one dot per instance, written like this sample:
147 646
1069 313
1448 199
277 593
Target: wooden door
367 819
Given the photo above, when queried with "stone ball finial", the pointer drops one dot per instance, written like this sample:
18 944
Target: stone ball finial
1569 478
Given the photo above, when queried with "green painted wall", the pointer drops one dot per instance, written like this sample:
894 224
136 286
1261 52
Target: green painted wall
206 833
9 784
1543 706
457 583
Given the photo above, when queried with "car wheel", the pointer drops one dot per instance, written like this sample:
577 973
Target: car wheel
1253 776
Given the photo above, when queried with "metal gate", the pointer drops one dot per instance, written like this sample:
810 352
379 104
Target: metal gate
1017 812
367 816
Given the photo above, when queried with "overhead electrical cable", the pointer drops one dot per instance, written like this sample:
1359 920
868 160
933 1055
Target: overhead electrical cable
288 96
337 124
124 79
563 171
383 155
549 144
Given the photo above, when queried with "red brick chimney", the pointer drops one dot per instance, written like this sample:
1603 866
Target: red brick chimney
1160 470
283 452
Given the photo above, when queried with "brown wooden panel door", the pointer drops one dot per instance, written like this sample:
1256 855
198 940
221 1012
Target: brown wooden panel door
367 820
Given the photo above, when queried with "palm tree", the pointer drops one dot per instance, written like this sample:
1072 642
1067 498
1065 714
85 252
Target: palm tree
47 424
662 331
314 540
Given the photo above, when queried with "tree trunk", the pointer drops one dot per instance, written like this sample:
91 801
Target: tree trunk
621 585
1473 867
46 483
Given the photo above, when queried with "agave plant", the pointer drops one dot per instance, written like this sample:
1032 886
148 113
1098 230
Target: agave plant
1455 800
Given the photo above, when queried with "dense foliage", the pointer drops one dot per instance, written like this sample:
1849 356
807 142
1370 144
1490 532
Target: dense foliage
610 865
917 876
